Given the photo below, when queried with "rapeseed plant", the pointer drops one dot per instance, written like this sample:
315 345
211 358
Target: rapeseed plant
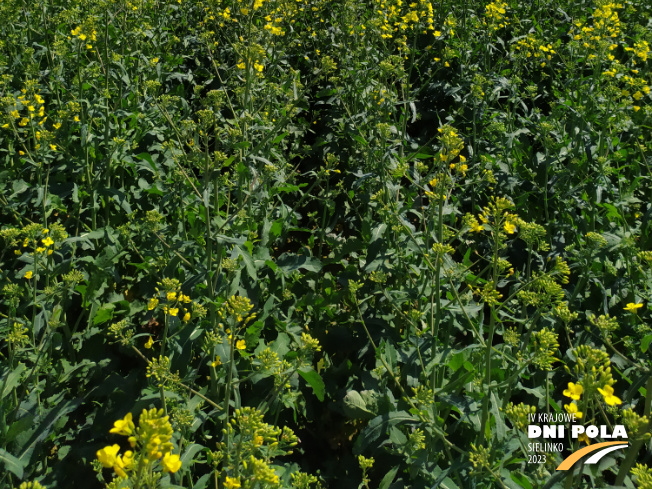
151 449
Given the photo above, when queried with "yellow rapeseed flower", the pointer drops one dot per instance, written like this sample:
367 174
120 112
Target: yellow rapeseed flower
240 344
108 455
231 482
608 394
171 463
29 275
632 307
124 426
574 391
572 409
153 302
48 241
150 343
510 228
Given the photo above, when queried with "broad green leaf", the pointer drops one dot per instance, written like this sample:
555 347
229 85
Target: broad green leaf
356 407
248 261
12 380
501 430
389 478
645 342
104 314
11 463
288 262
190 453
379 426
315 381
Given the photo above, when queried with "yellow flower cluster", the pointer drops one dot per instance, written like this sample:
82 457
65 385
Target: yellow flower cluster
495 214
41 240
594 369
150 441
176 301
253 58
238 308
31 485
273 25
256 437
18 335
574 391
27 107
496 15
395 17
640 49
90 36
452 144
532 47
599 37
519 414
231 482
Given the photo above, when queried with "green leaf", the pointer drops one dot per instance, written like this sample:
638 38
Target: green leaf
12 380
378 426
645 343
359 139
356 407
190 453
20 426
521 480
148 158
104 314
11 463
456 361
315 381
277 228
389 478
279 138
288 262
46 424
248 261
203 481
501 430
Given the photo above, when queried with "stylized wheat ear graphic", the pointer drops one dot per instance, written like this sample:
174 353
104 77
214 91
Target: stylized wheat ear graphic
601 450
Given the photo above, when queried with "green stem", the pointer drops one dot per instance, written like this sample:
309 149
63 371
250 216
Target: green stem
492 328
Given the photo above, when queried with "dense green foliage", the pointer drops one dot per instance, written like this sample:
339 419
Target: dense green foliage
292 243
